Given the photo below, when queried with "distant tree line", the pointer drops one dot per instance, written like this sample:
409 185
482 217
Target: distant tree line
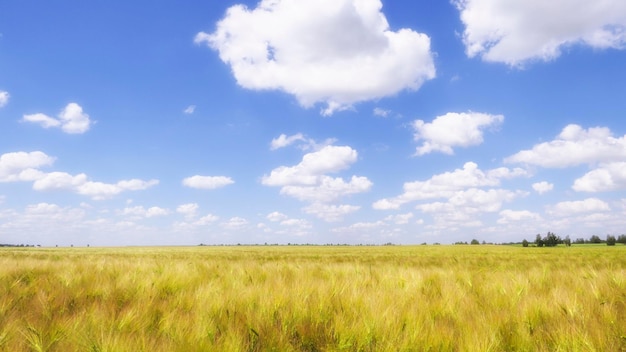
17 245
552 240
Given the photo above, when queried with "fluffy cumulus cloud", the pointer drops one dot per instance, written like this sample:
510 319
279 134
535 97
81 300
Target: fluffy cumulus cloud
576 208
308 181
330 212
82 185
281 224
23 166
509 216
235 223
189 210
276 216
192 220
207 182
71 119
515 31
608 177
141 212
4 98
453 130
471 201
336 52
328 189
457 199
446 185
574 146
542 187
44 217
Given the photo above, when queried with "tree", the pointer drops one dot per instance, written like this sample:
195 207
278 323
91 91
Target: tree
621 239
552 240
539 241
474 241
567 241
595 239
524 243
610 240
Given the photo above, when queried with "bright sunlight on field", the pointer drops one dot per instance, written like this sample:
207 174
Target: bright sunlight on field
392 298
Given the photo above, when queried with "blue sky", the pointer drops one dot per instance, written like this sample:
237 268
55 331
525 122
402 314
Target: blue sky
292 121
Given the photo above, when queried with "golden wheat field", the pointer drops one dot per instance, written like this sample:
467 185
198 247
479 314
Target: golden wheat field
296 298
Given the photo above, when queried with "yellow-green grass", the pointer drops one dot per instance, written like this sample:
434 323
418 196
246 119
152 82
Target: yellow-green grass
396 298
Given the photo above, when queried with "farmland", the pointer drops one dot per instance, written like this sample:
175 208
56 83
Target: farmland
318 298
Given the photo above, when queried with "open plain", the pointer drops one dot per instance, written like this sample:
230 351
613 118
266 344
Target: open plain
313 298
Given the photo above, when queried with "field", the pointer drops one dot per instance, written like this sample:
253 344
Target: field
292 298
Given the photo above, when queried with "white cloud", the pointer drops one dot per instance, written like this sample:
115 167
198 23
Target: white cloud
307 180
23 166
81 185
235 223
328 189
313 165
4 98
472 201
189 210
283 140
589 205
71 119
508 216
360 227
305 143
329 212
608 177
207 182
142 212
543 187
276 217
516 31
190 109
43 120
574 146
298 223
400 219
453 130
445 185
337 52
206 220
381 112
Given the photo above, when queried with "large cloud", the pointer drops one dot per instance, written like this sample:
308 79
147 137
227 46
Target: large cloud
337 52
515 31
71 119
453 130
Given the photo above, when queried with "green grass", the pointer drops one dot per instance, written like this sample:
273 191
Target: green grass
395 298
